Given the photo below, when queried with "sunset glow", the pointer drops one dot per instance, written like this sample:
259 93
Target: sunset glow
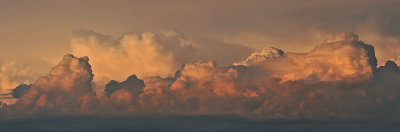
223 65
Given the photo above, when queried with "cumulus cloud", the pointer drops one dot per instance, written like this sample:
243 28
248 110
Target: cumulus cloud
261 56
395 60
20 90
67 87
342 58
337 78
144 54
132 83
148 53
123 95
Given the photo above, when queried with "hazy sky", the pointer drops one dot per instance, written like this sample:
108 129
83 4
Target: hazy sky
36 34
42 30
266 59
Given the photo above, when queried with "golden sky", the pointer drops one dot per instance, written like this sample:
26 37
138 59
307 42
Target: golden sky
43 29
34 35
290 59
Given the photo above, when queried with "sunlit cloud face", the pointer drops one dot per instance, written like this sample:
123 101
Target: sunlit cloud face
339 59
145 54
260 60
338 78
67 87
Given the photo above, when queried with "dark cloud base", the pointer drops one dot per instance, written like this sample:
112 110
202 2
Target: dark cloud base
170 122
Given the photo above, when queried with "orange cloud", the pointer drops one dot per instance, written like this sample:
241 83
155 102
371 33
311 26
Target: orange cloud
336 78
145 54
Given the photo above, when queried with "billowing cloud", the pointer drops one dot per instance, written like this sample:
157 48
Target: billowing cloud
144 54
342 58
338 78
132 83
20 90
66 88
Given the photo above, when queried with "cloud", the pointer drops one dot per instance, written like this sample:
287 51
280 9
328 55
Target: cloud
294 28
261 56
144 54
124 94
147 54
338 78
395 60
20 90
342 58
66 88
13 73
132 83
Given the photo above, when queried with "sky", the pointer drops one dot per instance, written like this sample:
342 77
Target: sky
44 28
308 62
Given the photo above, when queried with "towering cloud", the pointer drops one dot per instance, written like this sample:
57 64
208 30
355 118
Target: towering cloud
342 58
67 87
337 78
144 54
